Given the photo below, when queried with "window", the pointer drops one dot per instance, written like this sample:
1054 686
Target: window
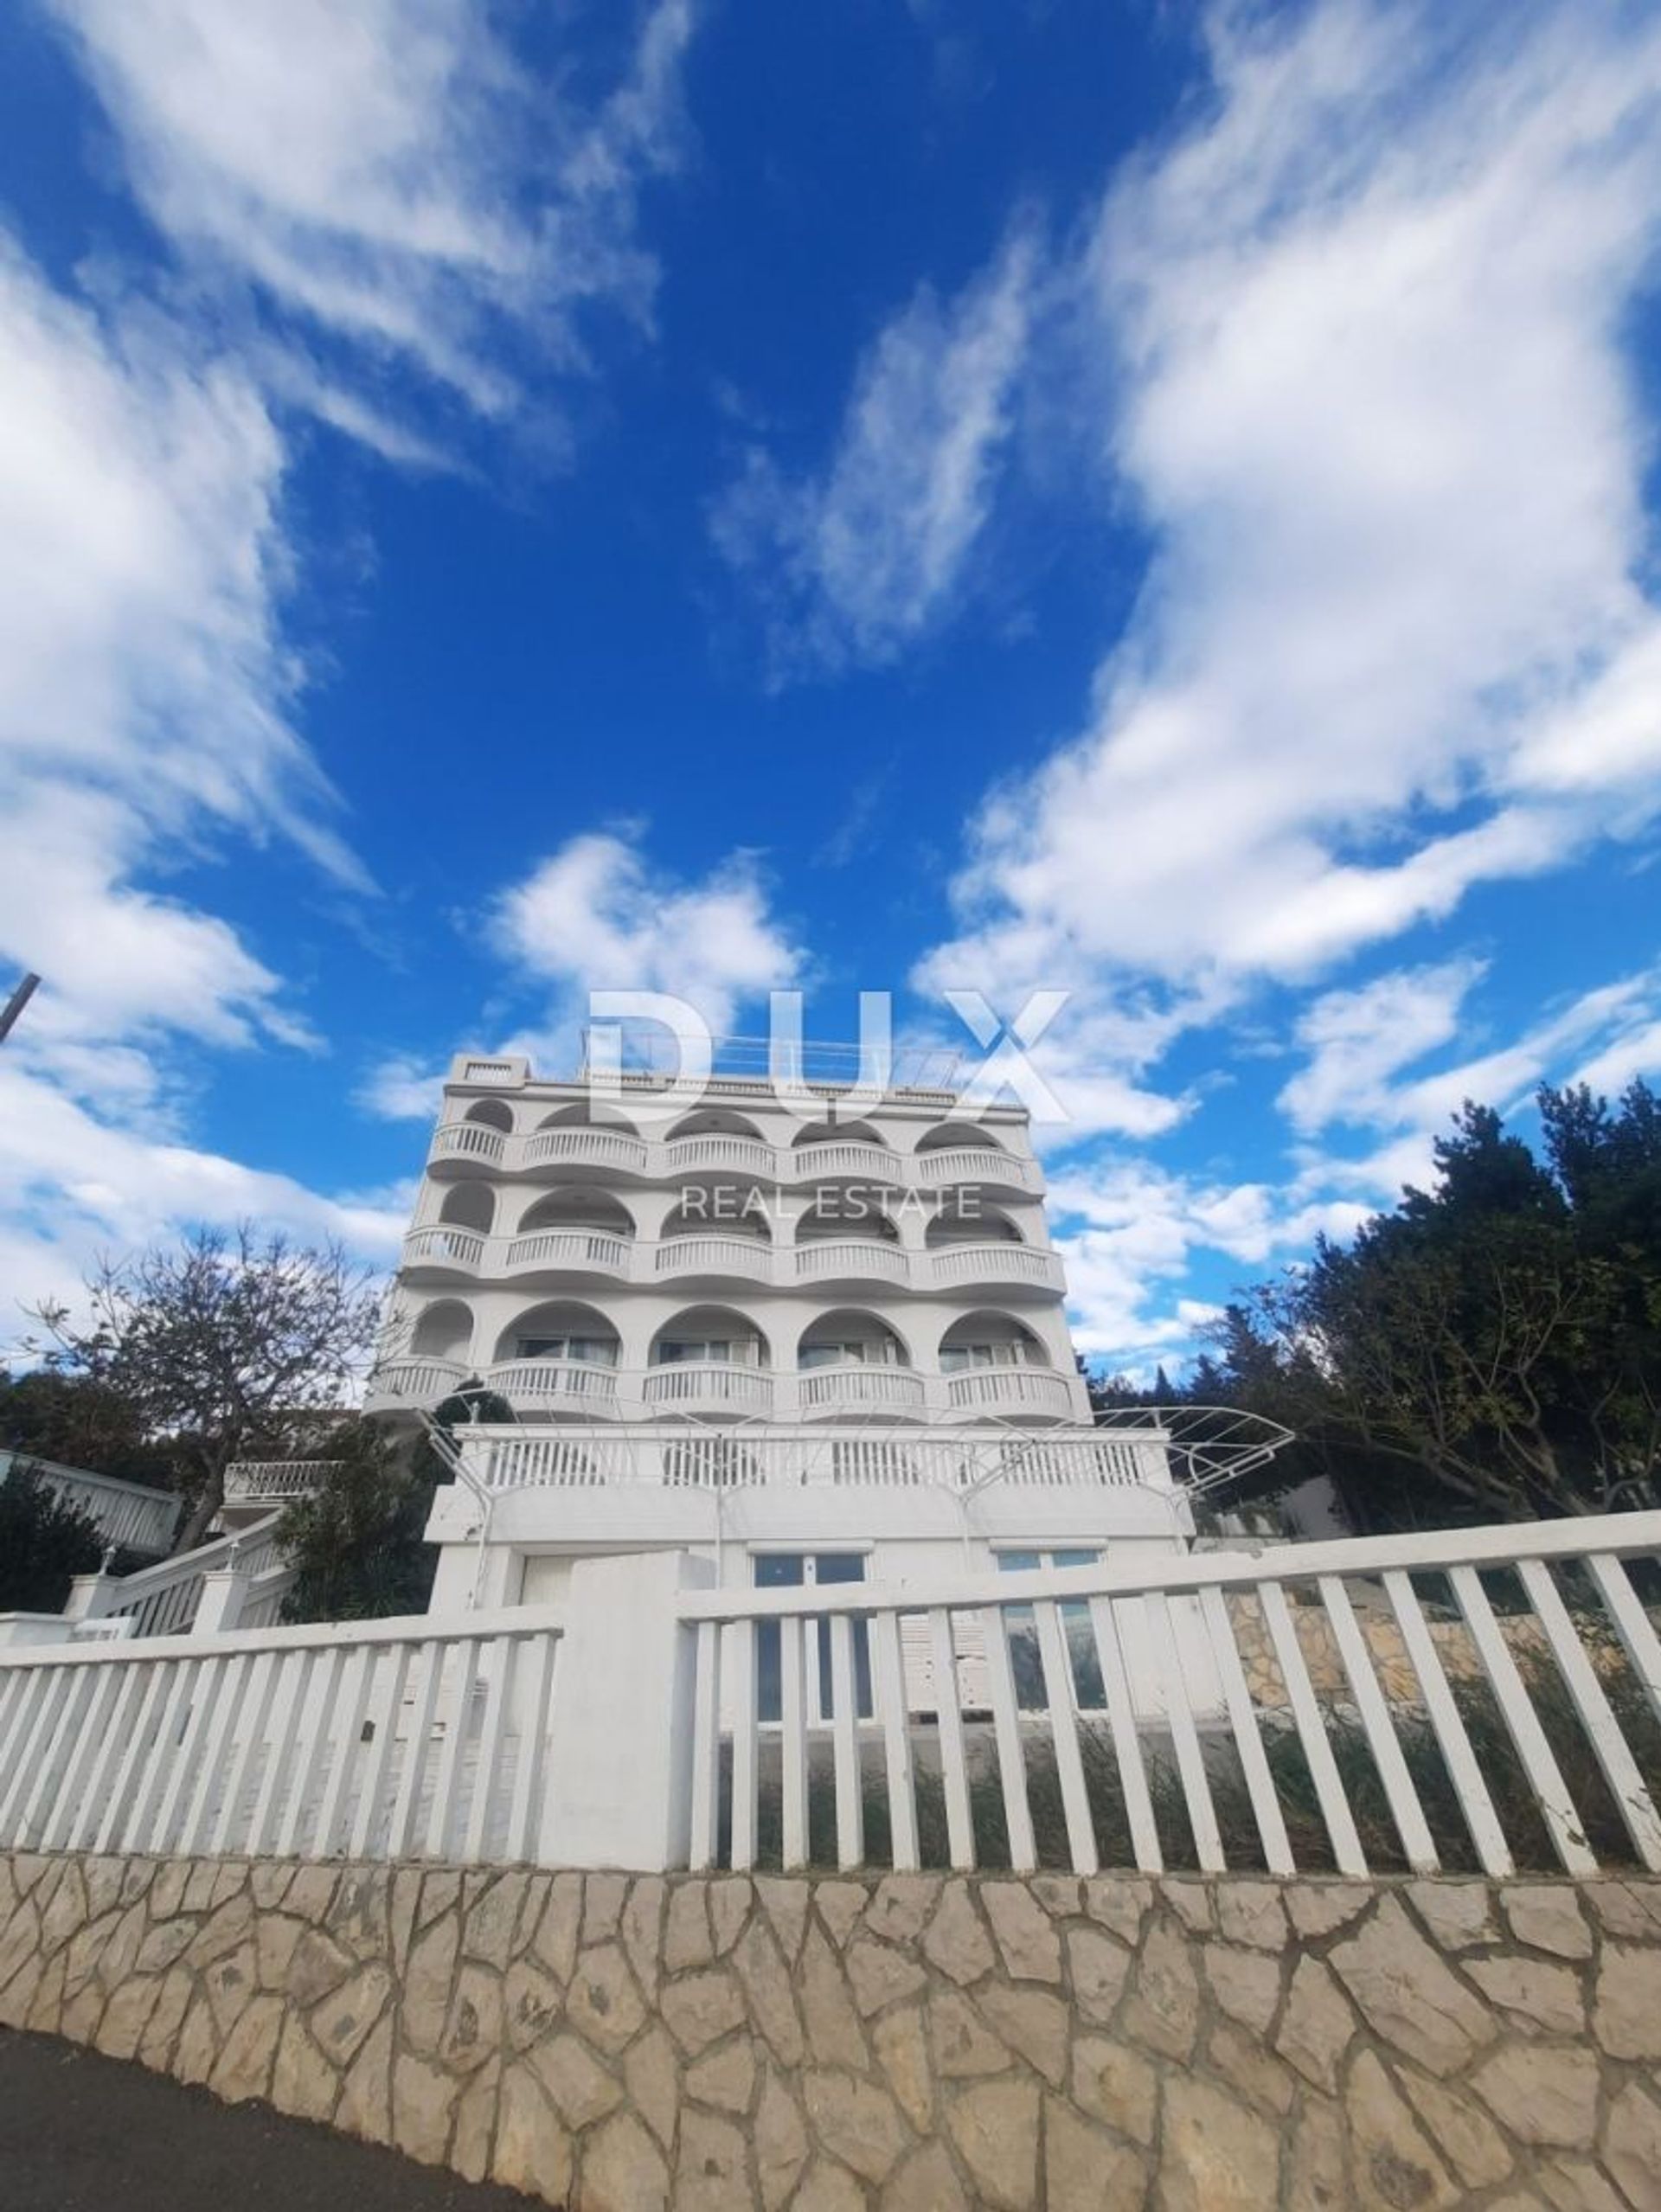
1025 1661
788 1570
1006 1351
871 1351
596 1351
737 1351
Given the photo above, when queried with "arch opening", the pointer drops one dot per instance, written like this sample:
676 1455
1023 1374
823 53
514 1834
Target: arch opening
990 1339
492 1113
561 1329
719 1333
851 1337
443 1331
574 1207
468 1206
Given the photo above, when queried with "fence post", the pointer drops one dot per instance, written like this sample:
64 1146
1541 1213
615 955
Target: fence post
224 1593
91 1596
620 1770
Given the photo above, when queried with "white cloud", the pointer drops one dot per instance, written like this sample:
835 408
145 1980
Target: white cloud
386 174
402 1089
144 686
79 1186
856 563
593 915
1364 381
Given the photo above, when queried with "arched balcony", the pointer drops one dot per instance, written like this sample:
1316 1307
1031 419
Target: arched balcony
559 1359
430 1365
455 1243
573 1230
712 1360
720 1229
843 1237
852 1366
962 1152
717 1140
995 1366
852 1149
981 1248
570 1141
480 1138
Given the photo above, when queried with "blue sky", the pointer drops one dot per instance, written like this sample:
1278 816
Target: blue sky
1151 503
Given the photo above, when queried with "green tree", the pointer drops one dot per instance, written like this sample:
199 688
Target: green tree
45 1542
225 1348
357 1540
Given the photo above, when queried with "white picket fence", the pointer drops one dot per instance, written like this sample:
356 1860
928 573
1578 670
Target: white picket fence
382 1740
653 1720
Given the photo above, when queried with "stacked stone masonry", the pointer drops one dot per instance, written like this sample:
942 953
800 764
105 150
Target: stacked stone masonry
906 2044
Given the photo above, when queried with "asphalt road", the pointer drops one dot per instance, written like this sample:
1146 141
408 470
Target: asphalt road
81 2133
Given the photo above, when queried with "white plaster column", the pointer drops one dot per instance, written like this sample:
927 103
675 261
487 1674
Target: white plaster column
620 1749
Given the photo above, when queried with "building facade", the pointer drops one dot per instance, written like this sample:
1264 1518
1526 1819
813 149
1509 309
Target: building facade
806 1342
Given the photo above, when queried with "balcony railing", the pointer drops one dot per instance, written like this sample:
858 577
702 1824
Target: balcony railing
718 1151
708 1386
444 1249
274 1482
457 1250
745 1256
472 1144
627 1456
553 1250
867 1259
829 1391
1010 1390
583 1147
581 1385
953 1266
585 1389
128 1515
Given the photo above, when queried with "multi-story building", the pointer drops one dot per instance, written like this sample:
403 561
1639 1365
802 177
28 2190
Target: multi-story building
808 1341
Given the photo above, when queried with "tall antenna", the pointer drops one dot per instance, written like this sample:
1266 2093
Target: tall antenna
15 1006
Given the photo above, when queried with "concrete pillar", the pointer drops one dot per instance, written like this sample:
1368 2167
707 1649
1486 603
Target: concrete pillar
219 1609
92 1597
620 1750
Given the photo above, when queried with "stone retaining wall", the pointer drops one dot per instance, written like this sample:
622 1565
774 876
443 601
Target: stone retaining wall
908 2043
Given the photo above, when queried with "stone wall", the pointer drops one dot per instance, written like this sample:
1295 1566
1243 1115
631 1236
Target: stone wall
900 2042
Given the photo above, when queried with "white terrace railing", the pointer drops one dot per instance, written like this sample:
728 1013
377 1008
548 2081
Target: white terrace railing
380 1739
163 1600
1484 1699
128 1515
777 1458
260 1482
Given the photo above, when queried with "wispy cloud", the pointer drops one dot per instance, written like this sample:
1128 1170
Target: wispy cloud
1361 329
388 179
854 562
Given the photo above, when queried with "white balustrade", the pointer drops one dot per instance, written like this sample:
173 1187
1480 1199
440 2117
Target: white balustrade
715 1254
851 1388
584 1147
699 1384
596 1249
445 1246
1010 1390
718 1150
131 1516
627 1454
580 1383
845 1156
472 1141
398 1739
987 1164
416 1380
999 1262
255 1482
870 1259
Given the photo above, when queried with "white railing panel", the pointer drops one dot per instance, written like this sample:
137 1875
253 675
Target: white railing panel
290 1742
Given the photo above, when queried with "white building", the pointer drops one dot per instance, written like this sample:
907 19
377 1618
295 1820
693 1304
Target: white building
807 1343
